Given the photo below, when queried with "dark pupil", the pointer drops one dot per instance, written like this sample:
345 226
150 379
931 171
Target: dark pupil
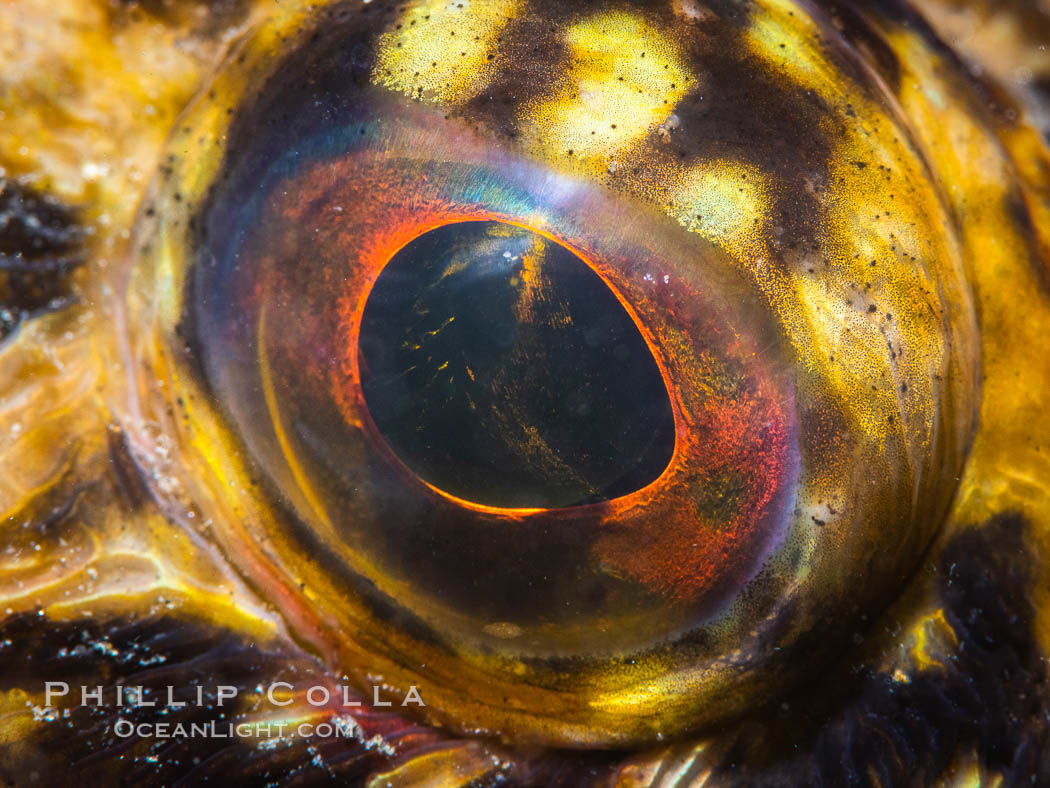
501 369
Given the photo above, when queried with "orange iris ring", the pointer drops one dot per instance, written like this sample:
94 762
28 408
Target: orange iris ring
649 534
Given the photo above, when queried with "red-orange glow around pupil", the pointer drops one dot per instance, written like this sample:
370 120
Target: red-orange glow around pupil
282 291
698 530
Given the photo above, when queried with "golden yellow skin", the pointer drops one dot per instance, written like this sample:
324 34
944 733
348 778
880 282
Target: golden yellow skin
85 116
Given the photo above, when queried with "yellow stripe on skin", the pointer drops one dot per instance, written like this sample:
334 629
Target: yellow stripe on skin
623 80
932 642
443 51
457 764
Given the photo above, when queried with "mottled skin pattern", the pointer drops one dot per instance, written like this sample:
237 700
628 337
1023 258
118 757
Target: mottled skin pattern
886 196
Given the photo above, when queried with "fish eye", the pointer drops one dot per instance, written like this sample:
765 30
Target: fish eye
563 389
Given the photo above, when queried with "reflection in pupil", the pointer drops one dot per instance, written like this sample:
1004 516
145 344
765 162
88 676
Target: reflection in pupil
501 368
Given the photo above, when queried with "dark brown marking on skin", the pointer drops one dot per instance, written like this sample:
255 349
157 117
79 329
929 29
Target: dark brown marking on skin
41 243
988 699
858 30
156 652
160 651
206 18
1038 255
129 481
743 112
531 59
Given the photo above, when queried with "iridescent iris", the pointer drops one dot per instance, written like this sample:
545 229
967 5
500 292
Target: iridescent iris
487 393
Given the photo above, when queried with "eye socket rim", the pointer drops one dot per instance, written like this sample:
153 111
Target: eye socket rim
159 292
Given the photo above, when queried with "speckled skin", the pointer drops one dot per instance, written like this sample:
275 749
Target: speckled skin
866 209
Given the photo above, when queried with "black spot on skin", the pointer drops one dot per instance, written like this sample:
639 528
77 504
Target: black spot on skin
40 246
989 699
